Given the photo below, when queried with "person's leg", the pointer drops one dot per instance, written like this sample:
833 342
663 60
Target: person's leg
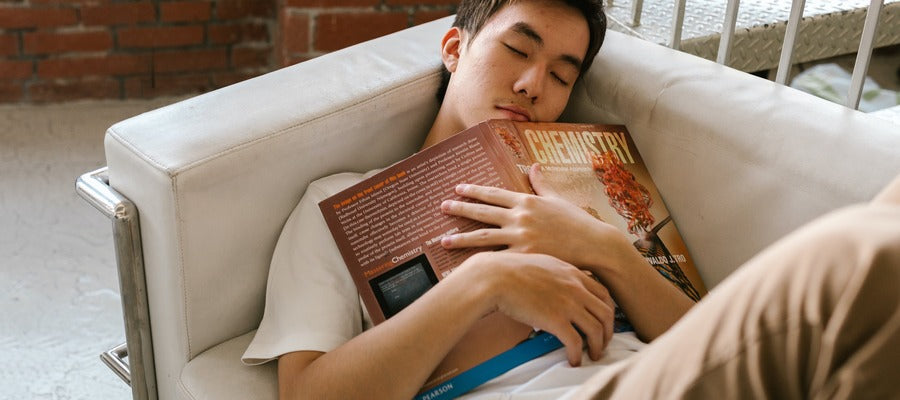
890 194
816 315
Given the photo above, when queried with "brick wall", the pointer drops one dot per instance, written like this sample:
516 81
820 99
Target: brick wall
309 28
65 50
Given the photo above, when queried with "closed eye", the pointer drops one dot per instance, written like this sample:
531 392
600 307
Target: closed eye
516 51
560 80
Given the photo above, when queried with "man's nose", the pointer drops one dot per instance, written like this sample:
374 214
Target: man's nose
531 82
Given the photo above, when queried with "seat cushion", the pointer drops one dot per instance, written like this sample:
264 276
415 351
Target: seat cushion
218 373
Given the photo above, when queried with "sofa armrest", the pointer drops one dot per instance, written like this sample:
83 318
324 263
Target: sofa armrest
216 176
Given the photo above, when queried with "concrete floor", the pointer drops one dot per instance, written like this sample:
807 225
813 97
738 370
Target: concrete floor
59 292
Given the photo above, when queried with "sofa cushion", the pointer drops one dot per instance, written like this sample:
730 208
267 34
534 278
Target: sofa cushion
218 373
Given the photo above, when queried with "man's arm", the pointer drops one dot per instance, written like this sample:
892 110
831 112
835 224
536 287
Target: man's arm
552 225
393 359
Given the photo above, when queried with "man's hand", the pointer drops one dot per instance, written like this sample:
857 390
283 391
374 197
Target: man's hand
549 224
548 294
535 289
545 223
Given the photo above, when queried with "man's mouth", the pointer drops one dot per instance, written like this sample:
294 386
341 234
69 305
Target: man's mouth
515 113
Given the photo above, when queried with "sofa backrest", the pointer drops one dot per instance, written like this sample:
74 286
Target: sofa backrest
740 160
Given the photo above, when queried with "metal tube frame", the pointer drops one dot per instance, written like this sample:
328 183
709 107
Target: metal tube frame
114 358
790 39
637 8
677 24
864 54
139 371
727 38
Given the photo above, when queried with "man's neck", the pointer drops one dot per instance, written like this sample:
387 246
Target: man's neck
441 129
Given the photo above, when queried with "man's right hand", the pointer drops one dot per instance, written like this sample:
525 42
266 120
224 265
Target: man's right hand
548 294
535 289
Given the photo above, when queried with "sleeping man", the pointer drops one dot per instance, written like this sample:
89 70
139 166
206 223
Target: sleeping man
511 59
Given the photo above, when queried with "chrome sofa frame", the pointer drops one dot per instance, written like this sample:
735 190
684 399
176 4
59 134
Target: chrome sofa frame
138 371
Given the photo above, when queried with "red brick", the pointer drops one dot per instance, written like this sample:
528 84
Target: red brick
184 11
296 59
230 78
166 85
119 64
15 69
11 92
336 31
69 2
251 57
52 42
55 91
223 34
194 60
421 2
18 17
9 45
255 32
330 3
234 9
295 33
161 36
237 32
118 14
421 17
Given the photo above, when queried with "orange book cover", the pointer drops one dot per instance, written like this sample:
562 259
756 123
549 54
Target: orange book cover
388 227
598 168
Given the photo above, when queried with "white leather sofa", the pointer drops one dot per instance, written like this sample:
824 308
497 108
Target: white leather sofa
740 162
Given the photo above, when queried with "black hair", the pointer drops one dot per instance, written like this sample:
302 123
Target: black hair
473 14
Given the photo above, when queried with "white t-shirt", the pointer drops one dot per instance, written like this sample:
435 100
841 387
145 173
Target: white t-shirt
312 304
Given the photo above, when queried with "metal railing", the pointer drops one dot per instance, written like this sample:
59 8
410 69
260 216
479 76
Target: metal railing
863 55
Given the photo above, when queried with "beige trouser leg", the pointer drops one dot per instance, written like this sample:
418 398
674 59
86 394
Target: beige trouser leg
816 315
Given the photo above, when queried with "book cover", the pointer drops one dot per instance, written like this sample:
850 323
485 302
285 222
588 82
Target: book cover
598 168
388 227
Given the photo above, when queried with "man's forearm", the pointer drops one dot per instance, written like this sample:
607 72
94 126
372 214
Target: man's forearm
651 303
393 359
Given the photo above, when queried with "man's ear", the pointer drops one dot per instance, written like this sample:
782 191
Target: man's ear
451 46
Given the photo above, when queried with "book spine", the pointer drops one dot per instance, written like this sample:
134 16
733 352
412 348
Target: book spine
526 351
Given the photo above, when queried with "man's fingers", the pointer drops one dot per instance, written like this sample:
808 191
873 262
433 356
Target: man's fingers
573 342
486 237
598 290
593 329
606 314
476 211
601 306
538 183
488 194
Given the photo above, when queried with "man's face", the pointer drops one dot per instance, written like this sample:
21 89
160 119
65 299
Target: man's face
520 66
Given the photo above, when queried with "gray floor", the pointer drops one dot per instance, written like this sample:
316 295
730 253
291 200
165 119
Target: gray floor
59 292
